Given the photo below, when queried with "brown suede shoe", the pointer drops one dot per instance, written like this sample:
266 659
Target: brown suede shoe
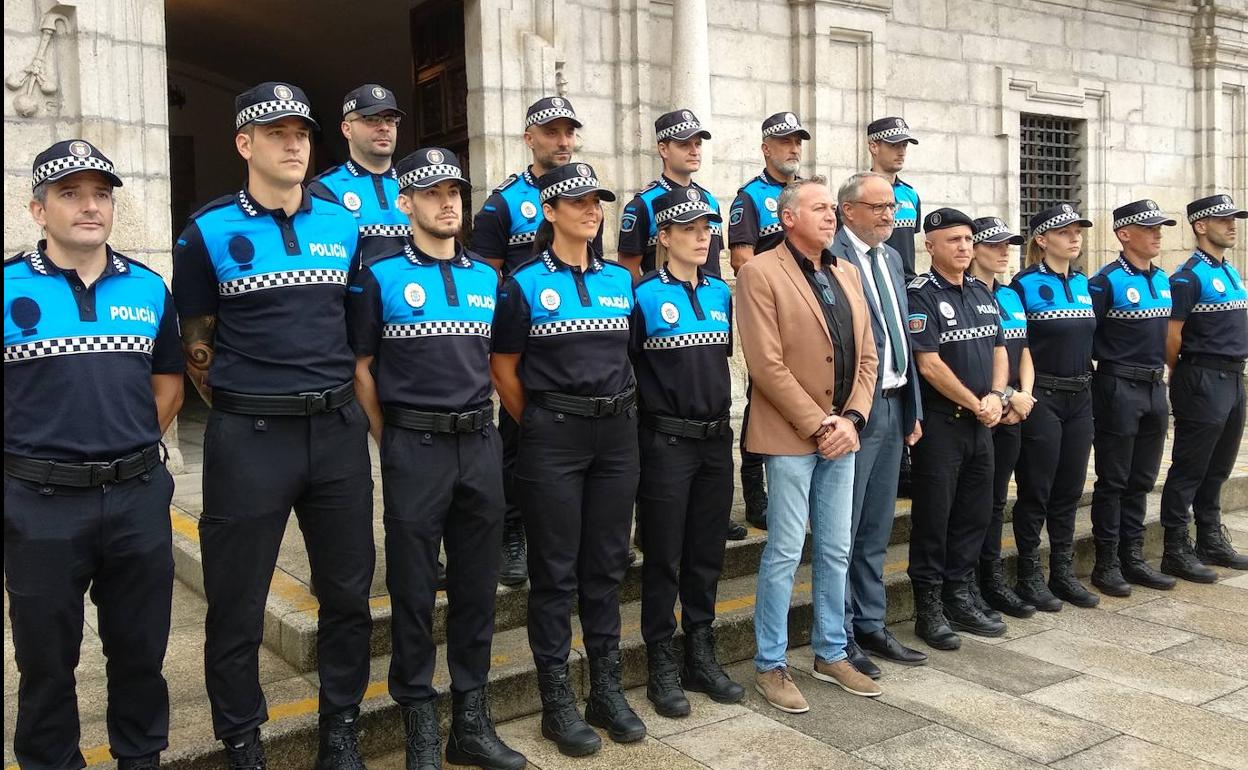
777 687
850 679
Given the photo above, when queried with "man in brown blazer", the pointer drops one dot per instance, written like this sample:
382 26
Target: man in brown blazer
805 329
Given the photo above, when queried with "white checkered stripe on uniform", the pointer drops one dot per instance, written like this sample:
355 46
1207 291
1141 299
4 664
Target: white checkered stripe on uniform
572 183
281 279
389 231
260 109
1056 315
1223 209
578 326
690 340
521 238
1131 315
57 165
436 329
549 114
1017 333
1214 307
965 335
670 131
905 223
771 229
414 177
69 346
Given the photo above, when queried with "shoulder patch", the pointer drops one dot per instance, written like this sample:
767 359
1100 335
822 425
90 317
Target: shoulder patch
916 322
918 282
628 222
215 203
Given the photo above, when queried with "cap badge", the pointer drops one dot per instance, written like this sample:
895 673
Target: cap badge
379 92
1067 208
283 92
528 209
414 294
435 156
584 170
80 149
687 116
935 219
556 102
901 123
790 118
693 195
669 312
997 222
1226 199
351 201
1151 205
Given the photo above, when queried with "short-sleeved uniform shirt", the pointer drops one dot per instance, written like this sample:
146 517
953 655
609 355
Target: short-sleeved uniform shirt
277 285
754 218
371 199
1013 328
1209 298
570 326
1060 321
639 234
79 360
905 223
506 225
1132 312
682 339
960 322
427 322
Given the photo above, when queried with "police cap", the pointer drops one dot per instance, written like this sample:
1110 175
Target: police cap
71 157
783 124
892 130
994 230
682 204
572 180
428 166
1144 213
370 99
679 124
942 219
271 101
1214 206
550 108
1055 217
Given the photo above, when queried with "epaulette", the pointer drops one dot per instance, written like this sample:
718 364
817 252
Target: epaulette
508 182
902 182
918 282
649 276
216 203
13 260
324 194
649 187
327 172
136 263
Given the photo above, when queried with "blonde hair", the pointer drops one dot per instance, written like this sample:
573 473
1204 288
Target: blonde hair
660 251
1035 252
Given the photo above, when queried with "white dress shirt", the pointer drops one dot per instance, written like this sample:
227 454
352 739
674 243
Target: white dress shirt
889 376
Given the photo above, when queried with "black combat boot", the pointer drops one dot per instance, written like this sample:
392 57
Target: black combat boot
998 594
930 624
702 671
561 722
339 743
1135 569
1064 584
1107 572
989 611
1030 586
1181 561
963 614
473 740
754 490
513 570
663 680
1213 548
423 741
245 752
607 707
151 762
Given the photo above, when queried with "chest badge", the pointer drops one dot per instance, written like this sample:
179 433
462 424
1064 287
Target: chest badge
550 299
771 205
1219 286
946 310
528 209
352 201
669 313
414 295
1133 295
26 314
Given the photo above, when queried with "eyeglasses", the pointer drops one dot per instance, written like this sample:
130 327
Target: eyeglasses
825 287
377 121
878 208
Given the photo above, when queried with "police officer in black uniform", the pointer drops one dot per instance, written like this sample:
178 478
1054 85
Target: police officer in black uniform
561 367
502 233
682 339
367 184
92 378
432 304
1131 299
1206 344
260 280
960 351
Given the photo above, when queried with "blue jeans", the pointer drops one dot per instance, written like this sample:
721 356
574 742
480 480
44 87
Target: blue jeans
800 489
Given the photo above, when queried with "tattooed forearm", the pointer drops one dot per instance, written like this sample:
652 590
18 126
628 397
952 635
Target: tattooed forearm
198 336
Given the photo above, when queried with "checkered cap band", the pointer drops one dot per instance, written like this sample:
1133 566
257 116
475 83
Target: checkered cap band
1216 210
1135 315
685 340
385 231
579 326
888 133
966 335
1215 307
414 177
1061 315
680 209
549 114
980 237
69 346
436 329
282 106
1139 216
281 279
567 185
57 165
782 128
679 128
1061 220
1016 333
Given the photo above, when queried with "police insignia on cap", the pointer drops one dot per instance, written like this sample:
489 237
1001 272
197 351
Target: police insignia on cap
1133 295
282 92
946 310
692 194
997 222
935 220
435 156
790 118
556 102
379 92
771 205
352 201
901 123
414 294
1151 205
583 170
669 312
528 209
1067 208
549 299
80 149
687 115
1226 199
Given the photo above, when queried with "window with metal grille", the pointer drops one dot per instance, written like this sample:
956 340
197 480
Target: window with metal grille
1050 163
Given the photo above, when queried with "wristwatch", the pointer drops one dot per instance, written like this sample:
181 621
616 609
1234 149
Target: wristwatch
1004 395
855 419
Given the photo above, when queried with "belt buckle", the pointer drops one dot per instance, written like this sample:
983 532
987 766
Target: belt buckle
463 422
316 403
603 406
102 473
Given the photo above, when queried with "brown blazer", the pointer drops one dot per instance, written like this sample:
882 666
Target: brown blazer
788 351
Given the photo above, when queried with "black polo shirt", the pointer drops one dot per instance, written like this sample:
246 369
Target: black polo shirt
961 323
840 319
1212 302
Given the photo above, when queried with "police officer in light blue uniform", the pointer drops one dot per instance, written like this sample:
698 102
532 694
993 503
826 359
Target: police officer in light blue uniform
366 185
92 378
887 141
1131 298
1206 345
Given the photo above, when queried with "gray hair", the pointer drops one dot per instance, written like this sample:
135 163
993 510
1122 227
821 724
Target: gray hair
788 196
851 188
40 193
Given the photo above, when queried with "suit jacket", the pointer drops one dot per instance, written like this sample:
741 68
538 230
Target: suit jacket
788 351
843 248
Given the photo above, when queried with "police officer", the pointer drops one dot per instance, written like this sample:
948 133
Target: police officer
92 378
679 135
1131 299
960 352
990 259
502 234
754 227
561 367
1057 436
682 339
367 184
1206 344
441 457
260 280
887 141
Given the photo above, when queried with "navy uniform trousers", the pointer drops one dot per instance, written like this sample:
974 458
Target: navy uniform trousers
1006 442
255 470
1130 418
115 539
1052 468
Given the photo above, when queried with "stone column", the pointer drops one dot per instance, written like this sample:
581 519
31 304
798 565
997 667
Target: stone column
691 67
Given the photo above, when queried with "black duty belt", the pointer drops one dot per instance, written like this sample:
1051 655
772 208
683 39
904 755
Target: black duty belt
439 422
298 405
1139 373
52 472
892 392
1063 384
675 426
949 409
585 406
1215 362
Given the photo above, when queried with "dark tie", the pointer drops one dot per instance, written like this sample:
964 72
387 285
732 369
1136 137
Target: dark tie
895 338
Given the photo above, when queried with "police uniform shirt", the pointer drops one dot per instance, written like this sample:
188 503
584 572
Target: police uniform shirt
428 322
905 222
1013 328
79 360
639 234
1060 320
1132 312
506 225
961 323
371 199
1210 299
682 339
838 317
571 326
754 218
276 285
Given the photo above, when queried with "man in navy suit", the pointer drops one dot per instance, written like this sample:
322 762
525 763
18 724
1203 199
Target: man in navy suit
866 206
